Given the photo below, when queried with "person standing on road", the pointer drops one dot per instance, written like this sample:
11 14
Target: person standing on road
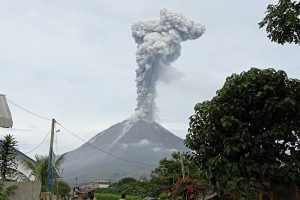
92 196
123 196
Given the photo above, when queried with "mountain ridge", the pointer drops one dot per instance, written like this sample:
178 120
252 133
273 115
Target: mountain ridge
133 148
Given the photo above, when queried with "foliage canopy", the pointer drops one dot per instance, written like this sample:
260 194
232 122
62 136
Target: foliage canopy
8 164
282 22
39 169
131 186
170 170
250 130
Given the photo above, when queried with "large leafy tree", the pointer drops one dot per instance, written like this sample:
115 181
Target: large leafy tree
249 132
8 163
282 22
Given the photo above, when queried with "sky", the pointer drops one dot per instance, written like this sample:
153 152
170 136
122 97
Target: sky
74 60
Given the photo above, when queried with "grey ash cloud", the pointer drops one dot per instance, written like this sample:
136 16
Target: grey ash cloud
158 45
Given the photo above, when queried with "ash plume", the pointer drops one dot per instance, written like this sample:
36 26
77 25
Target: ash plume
158 45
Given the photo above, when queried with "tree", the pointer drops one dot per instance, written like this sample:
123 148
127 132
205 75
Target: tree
8 164
39 169
131 186
169 171
249 132
282 22
187 188
61 188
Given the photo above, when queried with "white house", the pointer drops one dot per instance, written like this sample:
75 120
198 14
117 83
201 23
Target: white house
20 157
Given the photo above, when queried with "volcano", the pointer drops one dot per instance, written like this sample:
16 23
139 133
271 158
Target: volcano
135 146
131 148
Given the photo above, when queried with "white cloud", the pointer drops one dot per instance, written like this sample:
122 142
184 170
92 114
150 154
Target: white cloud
142 142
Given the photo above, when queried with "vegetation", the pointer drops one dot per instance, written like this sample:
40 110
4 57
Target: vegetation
282 22
39 169
134 187
8 164
166 181
248 133
6 192
169 171
100 196
61 188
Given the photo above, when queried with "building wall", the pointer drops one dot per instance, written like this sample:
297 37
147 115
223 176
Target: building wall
25 190
21 168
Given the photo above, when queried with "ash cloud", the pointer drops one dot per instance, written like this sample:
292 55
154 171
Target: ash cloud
158 45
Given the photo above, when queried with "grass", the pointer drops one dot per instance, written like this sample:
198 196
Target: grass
101 196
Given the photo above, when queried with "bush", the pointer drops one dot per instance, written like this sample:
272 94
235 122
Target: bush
131 186
101 196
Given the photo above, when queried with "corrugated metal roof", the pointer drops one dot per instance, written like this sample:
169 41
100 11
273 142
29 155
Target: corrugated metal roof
5 115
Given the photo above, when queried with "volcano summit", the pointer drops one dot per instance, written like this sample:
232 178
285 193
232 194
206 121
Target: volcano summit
141 142
134 146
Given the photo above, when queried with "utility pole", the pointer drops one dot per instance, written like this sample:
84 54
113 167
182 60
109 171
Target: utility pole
50 165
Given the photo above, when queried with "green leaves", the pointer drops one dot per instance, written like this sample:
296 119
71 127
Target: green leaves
8 164
247 129
282 22
39 169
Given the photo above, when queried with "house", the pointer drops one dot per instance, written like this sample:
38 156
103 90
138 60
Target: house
20 157
100 184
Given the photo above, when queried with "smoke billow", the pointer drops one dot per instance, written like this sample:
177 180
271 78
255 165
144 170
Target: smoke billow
158 45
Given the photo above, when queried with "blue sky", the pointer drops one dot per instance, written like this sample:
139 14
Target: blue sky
75 61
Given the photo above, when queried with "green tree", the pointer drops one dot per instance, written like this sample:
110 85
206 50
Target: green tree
39 169
170 170
249 132
282 22
8 164
61 188
131 186
126 180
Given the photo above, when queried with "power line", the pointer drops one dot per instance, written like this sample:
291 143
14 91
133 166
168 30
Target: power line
45 118
103 151
38 144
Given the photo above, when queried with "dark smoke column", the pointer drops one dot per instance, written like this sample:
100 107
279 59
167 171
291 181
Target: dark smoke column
158 46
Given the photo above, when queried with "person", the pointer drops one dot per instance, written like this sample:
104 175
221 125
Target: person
91 196
123 196
75 194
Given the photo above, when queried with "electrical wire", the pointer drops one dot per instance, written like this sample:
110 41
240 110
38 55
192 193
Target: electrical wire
103 151
45 118
39 144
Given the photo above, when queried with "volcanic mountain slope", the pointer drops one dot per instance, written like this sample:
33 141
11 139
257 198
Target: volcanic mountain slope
140 141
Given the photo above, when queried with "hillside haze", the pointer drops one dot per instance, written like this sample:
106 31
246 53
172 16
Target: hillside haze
138 145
